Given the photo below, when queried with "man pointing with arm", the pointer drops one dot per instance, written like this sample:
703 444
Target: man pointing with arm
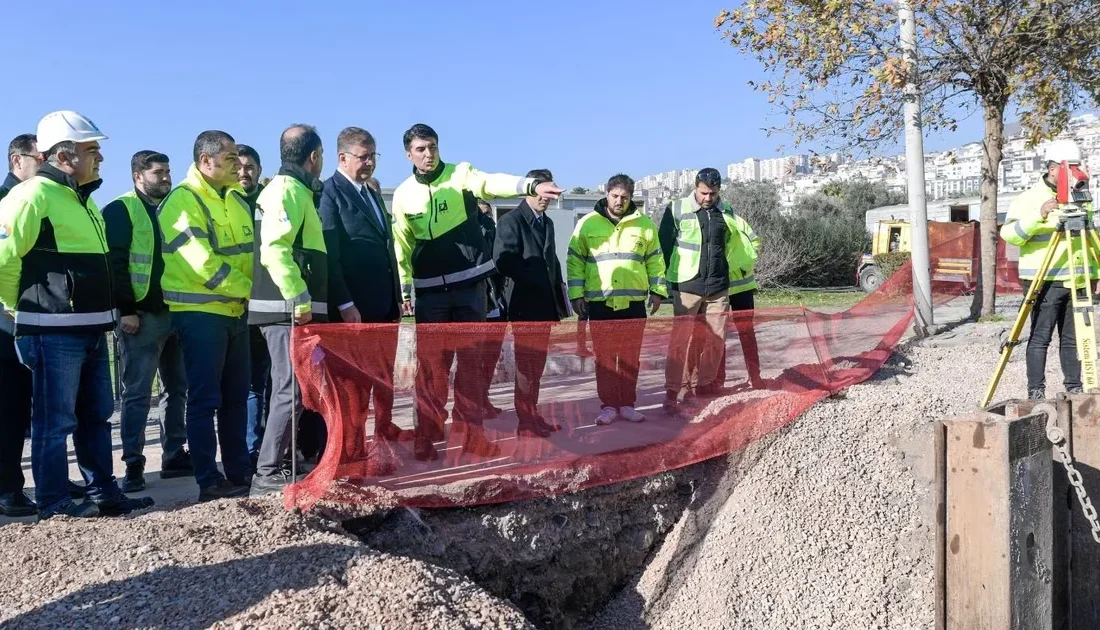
435 216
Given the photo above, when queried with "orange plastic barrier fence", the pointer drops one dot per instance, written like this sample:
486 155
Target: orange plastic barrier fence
379 386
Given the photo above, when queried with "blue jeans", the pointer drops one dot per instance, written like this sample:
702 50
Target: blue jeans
215 356
259 390
72 396
154 346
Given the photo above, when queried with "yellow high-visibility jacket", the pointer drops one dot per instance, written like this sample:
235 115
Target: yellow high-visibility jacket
437 239
207 248
616 263
1026 228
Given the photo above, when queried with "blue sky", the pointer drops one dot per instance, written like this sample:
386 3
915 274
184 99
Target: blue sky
586 89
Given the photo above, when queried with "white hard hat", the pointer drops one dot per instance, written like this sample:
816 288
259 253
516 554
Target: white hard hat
66 126
1062 150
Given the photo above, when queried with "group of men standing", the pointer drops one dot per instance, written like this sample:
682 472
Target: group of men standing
204 281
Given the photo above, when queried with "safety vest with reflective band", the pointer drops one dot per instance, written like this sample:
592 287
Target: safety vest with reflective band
207 248
1025 227
291 261
54 270
616 263
437 238
141 244
740 252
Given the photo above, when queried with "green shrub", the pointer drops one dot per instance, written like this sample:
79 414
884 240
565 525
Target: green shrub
889 262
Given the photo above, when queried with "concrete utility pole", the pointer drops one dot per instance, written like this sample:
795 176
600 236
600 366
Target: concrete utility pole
914 167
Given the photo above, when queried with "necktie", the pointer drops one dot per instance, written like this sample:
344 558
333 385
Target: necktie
370 203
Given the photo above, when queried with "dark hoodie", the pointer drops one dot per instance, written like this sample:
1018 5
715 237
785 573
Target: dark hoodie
11 181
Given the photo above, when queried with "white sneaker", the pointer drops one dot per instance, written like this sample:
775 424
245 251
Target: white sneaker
607 416
630 414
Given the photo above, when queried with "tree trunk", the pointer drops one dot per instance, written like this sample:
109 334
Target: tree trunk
993 143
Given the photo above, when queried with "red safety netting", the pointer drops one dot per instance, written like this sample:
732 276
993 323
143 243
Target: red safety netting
804 357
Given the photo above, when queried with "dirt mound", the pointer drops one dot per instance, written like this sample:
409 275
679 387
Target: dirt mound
245 564
833 526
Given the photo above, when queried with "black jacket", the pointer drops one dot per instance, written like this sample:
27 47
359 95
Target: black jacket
312 264
714 271
9 182
120 232
361 258
494 282
528 261
53 282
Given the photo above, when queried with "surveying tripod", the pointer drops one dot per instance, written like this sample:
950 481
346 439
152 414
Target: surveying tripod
1083 250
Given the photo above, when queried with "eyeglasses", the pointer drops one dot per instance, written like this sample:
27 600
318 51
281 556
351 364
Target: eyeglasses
373 157
37 156
711 179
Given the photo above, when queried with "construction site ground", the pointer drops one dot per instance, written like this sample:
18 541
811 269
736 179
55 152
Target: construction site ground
826 523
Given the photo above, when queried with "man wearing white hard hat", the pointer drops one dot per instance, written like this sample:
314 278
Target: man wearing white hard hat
1029 225
55 276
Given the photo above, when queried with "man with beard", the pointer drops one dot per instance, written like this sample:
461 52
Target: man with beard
614 262
145 330
260 387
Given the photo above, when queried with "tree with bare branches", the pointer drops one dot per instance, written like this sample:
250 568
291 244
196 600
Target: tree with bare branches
838 73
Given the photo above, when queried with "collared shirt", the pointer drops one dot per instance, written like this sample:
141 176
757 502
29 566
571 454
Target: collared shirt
377 211
368 197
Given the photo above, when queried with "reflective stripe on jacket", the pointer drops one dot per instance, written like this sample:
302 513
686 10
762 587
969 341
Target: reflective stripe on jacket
292 274
54 271
207 248
616 263
740 250
1026 228
437 239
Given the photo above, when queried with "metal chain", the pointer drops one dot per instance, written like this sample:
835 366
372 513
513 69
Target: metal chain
1058 439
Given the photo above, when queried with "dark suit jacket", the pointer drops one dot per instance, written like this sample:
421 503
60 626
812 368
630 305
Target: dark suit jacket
361 259
533 286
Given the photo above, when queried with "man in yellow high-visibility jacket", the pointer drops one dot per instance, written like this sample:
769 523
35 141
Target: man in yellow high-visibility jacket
207 247
1032 219
146 341
614 264
443 256
290 286
710 253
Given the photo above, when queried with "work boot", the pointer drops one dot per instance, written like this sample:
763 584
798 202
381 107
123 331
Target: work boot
178 466
1075 390
134 481
223 489
120 504
1037 393
84 509
266 485
17 504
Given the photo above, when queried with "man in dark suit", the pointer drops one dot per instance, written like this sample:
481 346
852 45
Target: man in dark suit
534 297
363 284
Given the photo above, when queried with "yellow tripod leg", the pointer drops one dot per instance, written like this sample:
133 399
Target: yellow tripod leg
1084 317
1021 318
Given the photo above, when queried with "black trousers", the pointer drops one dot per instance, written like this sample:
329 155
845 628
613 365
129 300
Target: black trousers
1053 309
617 341
437 349
532 343
15 414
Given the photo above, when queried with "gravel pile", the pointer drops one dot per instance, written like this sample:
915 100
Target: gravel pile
833 525
245 564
